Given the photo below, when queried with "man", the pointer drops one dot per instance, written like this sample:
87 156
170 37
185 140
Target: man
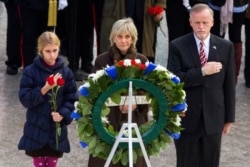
208 74
177 19
81 38
247 47
13 42
177 14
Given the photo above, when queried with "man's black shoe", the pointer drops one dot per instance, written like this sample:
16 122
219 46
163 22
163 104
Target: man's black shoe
11 70
80 76
87 68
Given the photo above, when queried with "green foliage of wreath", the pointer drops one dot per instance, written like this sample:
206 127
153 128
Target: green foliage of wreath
101 81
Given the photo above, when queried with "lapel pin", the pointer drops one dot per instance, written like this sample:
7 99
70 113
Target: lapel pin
214 47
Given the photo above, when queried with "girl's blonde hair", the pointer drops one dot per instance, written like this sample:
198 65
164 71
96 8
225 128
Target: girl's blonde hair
46 38
121 26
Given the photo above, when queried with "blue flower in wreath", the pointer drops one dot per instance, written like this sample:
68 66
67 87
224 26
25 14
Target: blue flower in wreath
150 68
75 115
111 72
84 91
83 144
180 107
174 135
175 79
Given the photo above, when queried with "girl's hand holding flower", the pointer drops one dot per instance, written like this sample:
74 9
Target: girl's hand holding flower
56 116
52 80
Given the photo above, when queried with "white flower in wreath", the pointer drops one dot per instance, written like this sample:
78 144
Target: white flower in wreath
184 94
137 61
97 75
160 68
178 121
76 104
105 120
168 74
127 62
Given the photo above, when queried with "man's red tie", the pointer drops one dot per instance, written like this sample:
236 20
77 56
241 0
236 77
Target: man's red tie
202 54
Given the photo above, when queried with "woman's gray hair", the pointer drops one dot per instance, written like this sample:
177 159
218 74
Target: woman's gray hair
121 26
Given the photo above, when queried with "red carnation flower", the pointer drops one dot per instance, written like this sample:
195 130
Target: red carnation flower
121 63
60 82
133 62
155 10
50 80
142 66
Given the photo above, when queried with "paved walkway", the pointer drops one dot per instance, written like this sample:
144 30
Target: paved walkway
235 147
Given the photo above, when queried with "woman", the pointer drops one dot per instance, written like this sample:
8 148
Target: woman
234 27
123 39
40 133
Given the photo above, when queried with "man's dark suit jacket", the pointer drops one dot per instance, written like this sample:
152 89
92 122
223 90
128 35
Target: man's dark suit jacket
211 97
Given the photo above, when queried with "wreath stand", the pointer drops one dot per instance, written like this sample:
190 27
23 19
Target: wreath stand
130 140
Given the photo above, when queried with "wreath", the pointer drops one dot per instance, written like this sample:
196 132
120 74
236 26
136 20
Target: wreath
163 91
